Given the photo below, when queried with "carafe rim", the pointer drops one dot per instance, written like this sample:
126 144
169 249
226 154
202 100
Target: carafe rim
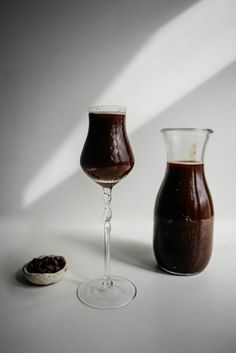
107 109
209 131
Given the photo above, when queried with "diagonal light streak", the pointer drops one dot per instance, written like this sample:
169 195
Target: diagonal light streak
179 57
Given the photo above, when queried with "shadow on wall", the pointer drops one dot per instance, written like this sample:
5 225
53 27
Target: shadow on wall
79 201
180 68
84 57
55 60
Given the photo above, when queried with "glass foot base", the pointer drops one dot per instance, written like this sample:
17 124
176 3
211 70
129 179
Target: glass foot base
96 294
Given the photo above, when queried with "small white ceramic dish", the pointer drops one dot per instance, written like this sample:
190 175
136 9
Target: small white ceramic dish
44 279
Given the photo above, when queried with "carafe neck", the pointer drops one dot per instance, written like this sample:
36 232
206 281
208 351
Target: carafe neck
186 145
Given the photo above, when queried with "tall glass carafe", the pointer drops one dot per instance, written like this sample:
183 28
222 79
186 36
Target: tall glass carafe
183 214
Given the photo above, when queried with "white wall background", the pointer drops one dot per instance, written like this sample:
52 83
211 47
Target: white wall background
171 62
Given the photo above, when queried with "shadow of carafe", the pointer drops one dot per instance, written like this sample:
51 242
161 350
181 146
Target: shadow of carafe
138 254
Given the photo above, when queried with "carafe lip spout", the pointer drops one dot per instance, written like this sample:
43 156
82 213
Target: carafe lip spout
107 109
186 129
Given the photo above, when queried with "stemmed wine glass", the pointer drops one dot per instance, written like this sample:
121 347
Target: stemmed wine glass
107 158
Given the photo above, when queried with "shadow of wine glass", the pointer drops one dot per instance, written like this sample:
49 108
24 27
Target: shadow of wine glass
131 252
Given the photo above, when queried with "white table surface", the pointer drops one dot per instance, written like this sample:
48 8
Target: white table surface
170 314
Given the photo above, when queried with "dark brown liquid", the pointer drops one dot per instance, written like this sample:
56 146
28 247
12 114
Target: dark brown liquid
107 156
183 220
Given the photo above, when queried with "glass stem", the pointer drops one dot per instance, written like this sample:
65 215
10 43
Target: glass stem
107 234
